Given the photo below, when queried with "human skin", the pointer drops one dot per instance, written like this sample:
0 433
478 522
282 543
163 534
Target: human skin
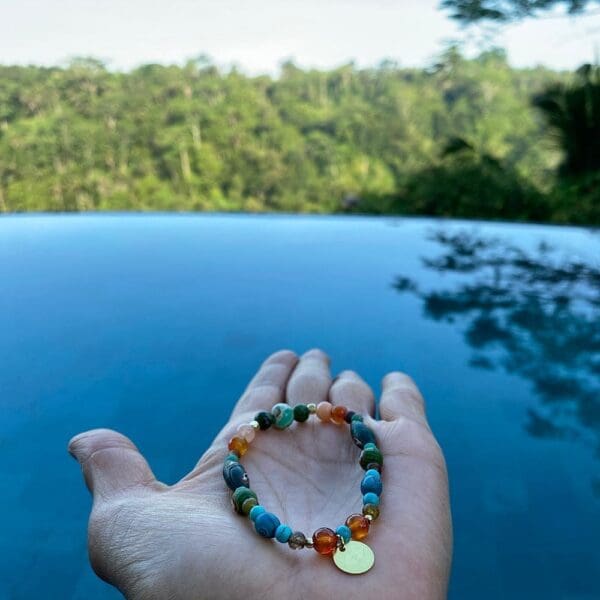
185 542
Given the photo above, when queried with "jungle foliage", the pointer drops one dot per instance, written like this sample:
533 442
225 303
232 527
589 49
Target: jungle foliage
470 138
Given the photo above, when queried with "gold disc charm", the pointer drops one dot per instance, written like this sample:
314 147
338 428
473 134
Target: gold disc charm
355 558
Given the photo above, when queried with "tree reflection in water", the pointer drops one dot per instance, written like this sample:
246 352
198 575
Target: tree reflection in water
532 313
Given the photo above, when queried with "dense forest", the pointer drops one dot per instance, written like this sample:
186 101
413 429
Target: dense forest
465 138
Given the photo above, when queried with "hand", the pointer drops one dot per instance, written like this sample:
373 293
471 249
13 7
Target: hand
184 542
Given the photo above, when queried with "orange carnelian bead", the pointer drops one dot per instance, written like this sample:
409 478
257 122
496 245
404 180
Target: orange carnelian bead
239 445
338 414
324 540
324 411
358 525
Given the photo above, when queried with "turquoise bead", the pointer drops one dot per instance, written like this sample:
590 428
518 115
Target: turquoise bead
371 498
232 458
371 484
266 524
357 417
283 533
373 473
284 415
344 532
255 511
370 446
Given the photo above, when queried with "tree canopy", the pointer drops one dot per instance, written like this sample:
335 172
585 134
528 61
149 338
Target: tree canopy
473 11
458 139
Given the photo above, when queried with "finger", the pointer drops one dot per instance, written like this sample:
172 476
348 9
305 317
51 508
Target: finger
311 379
351 391
268 385
400 397
110 462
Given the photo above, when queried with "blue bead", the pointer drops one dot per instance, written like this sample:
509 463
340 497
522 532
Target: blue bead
255 511
373 473
283 533
344 532
266 524
371 484
370 446
371 498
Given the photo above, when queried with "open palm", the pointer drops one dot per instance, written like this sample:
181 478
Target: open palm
185 542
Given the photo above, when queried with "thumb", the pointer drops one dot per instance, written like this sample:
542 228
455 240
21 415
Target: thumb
110 462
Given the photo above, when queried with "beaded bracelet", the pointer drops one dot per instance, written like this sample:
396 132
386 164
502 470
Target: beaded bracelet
349 554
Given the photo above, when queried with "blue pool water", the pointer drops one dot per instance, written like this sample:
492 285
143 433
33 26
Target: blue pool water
152 325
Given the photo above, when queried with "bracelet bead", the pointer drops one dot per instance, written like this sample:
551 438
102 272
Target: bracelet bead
301 413
246 431
368 457
338 413
283 414
358 525
371 483
239 445
266 524
297 540
324 411
264 420
283 533
255 511
361 434
344 532
370 510
371 498
235 475
239 496
324 540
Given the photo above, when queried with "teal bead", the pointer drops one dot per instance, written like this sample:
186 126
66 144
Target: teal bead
283 533
344 532
361 434
232 458
370 446
371 498
255 511
266 524
373 473
371 484
283 414
235 475
357 417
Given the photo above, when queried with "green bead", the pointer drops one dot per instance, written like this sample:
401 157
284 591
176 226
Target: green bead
232 458
301 413
284 415
238 498
248 504
264 420
370 457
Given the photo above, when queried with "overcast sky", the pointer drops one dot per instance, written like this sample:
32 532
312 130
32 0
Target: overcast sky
258 35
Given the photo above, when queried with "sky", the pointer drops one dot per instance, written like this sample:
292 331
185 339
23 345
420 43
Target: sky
258 35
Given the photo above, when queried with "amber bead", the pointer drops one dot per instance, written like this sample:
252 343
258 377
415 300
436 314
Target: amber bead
297 540
338 414
359 526
239 445
324 540
371 510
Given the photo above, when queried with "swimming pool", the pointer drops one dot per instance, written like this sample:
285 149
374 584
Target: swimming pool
141 323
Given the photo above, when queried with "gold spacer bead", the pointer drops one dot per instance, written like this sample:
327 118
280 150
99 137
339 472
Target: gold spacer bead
312 408
370 517
254 424
309 543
